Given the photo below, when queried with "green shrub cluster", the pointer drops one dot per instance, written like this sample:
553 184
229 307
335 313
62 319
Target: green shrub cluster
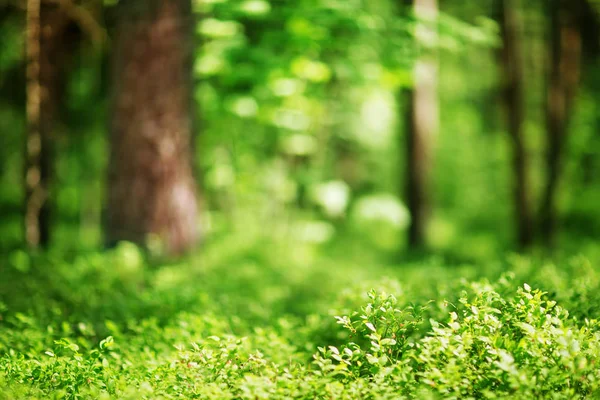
81 328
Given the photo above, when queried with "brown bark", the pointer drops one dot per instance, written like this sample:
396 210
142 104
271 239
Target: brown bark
46 54
151 189
422 126
34 190
514 100
565 59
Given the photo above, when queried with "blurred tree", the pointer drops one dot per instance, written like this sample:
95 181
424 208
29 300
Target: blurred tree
422 123
151 190
565 50
296 97
48 48
35 190
514 99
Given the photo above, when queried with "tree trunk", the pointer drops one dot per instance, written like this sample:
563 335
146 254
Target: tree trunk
515 105
151 192
34 189
422 125
565 57
46 54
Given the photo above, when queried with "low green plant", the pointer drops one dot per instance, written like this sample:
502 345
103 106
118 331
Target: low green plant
110 326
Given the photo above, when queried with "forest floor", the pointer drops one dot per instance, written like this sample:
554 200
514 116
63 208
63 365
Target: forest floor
252 319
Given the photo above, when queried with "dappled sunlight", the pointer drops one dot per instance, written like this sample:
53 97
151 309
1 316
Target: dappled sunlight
308 199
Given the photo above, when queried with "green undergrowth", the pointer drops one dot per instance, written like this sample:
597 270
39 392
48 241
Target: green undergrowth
260 321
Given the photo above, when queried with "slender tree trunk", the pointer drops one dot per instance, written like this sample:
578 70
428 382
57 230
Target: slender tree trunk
35 191
47 52
422 125
151 192
514 100
565 58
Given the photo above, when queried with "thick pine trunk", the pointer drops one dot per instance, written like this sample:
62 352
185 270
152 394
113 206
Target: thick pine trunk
515 106
565 59
151 192
422 125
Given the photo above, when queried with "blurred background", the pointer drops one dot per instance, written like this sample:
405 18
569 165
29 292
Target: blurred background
388 127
